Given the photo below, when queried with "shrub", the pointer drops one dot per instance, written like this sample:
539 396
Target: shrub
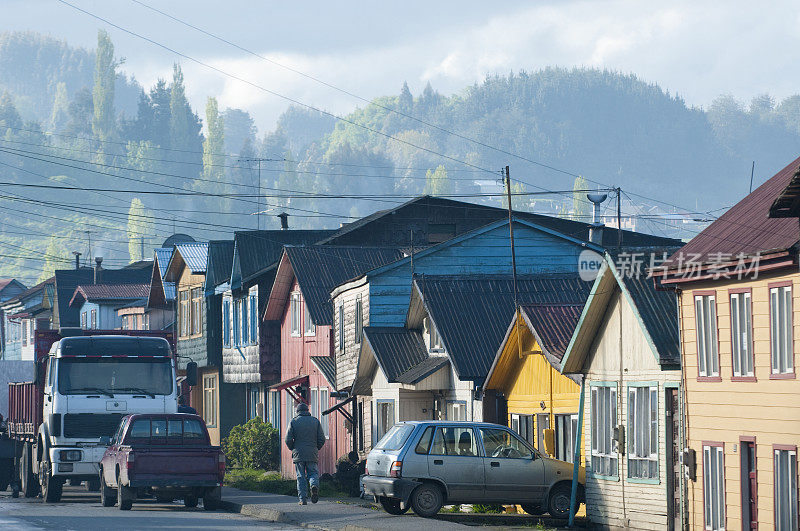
348 472
253 445
487 509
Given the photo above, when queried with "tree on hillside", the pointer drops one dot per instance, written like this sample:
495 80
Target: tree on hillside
184 127
239 127
54 258
80 112
105 75
581 208
60 114
9 116
437 182
405 102
140 229
213 155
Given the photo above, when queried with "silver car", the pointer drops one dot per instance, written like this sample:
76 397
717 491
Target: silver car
427 464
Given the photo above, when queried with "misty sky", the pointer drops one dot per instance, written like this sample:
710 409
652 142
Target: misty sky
694 48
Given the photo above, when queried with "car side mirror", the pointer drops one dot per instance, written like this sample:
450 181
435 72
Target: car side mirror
105 441
191 374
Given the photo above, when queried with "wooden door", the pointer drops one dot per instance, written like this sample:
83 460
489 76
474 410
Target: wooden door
672 416
749 484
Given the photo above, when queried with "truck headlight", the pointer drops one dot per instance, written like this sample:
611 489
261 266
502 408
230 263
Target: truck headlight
70 455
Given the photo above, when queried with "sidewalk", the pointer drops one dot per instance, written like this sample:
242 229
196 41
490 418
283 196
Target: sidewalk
328 515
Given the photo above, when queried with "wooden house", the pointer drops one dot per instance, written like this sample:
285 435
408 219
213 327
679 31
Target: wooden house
97 304
299 301
625 348
738 291
161 295
22 315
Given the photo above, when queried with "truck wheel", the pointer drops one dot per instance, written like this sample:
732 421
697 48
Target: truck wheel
190 501
51 485
393 505
559 501
92 485
30 485
6 473
124 497
212 499
427 500
107 495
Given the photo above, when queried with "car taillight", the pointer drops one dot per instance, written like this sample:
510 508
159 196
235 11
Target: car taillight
396 470
221 466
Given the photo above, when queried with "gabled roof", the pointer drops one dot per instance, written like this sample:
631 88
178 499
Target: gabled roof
220 261
109 293
553 325
656 310
161 292
9 284
327 366
192 256
747 226
471 312
787 204
318 269
39 288
162 258
256 251
401 354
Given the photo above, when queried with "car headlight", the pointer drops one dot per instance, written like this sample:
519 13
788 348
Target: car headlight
70 455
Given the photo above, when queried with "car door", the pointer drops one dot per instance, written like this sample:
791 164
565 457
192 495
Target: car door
514 472
455 460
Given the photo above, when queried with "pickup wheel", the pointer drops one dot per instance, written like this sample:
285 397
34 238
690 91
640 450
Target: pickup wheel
30 485
107 495
393 505
212 500
427 500
191 501
93 485
51 485
124 497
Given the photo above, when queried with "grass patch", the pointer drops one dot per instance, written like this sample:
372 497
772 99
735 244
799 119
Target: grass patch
272 482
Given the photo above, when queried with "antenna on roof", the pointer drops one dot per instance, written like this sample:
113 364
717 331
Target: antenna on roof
752 170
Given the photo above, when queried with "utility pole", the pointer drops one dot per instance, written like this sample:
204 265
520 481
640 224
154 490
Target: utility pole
141 243
619 219
89 253
517 313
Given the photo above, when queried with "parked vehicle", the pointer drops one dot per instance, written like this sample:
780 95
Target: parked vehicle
425 464
168 456
83 386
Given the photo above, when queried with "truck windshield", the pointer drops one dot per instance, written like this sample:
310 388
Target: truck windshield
147 376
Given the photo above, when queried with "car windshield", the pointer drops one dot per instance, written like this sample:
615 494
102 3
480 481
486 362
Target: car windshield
79 375
395 437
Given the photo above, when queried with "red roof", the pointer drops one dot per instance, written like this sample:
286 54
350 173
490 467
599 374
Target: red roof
746 227
111 292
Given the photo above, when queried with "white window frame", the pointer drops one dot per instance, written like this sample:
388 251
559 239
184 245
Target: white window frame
341 328
237 331
565 427
705 307
781 320
309 328
294 311
381 426
274 403
226 322
358 321
93 319
253 306
785 488
642 432
24 332
210 399
324 400
742 334
714 487
457 410
523 424
605 455
313 402
434 339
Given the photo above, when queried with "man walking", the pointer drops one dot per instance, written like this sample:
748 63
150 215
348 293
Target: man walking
305 438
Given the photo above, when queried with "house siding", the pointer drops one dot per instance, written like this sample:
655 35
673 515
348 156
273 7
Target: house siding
347 359
723 411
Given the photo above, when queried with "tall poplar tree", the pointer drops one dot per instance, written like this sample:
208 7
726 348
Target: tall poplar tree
140 229
105 74
213 154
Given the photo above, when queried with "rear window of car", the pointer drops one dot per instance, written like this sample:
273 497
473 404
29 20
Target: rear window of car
395 437
167 431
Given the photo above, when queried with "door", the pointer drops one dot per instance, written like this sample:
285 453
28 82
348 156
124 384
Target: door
455 460
514 473
672 416
749 485
542 423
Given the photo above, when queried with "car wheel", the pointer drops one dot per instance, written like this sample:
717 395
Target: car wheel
107 495
190 501
93 485
393 505
124 497
427 500
212 499
535 510
559 501
51 486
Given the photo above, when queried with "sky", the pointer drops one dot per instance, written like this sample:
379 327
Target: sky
697 49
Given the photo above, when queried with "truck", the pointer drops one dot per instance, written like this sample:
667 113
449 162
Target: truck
83 386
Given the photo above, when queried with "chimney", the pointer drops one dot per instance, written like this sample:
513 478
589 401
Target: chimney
284 220
596 228
97 269
77 259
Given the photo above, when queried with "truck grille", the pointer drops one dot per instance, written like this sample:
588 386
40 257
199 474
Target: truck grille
90 425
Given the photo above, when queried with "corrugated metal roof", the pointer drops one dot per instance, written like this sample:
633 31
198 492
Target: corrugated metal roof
472 312
553 325
195 255
110 292
327 366
422 370
659 312
319 269
220 261
787 204
746 227
397 349
258 250
162 258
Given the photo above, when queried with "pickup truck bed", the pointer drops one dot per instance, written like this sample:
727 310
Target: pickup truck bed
174 466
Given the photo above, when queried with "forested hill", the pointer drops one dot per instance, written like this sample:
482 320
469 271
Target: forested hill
135 164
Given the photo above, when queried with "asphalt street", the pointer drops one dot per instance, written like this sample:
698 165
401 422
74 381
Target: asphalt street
81 510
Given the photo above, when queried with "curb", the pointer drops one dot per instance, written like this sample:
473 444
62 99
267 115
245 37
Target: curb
259 512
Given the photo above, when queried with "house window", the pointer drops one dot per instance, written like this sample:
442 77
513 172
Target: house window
714 486
780 322
210 400
93 318
32 330
786 489
244 321
457 410
294 309
314 402
289 412
643 432
310 327
146 321
706 319
125 322
742 334
566 428
359 323
83 320
385 418
236 314
253 319
523 424
604 420
324 401
434 341
197 316
24 332
226 323
183 313
341 328
255 407
274 408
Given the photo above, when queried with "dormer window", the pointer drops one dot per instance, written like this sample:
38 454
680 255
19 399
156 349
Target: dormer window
434 340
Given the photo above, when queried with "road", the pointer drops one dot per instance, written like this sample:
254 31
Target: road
81 510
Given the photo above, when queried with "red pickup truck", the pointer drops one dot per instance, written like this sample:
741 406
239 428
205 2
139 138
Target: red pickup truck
166 455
